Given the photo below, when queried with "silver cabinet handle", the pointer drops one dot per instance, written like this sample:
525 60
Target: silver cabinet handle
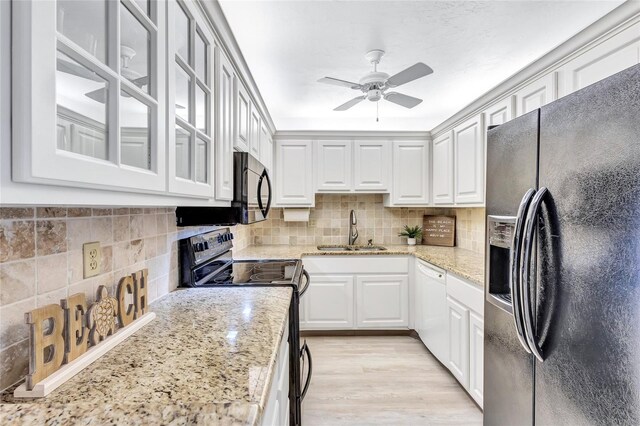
525 281
514 267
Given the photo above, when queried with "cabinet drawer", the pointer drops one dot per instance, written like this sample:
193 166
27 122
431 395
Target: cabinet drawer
356 264
468 294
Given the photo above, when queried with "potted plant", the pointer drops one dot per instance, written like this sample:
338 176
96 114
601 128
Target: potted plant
411 232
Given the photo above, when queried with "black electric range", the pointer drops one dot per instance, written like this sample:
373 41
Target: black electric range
206 260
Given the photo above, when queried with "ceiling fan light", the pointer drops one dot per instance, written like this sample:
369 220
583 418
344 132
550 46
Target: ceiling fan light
374 95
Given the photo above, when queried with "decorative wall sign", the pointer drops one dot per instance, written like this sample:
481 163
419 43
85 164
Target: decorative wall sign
439 231
76 336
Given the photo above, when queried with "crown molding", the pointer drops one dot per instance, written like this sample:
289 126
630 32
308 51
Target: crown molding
228 43
350 134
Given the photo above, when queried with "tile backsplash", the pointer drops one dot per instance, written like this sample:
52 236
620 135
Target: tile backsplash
329 223
41 262
41 250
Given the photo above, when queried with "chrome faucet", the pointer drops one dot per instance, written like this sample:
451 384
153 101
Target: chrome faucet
353 231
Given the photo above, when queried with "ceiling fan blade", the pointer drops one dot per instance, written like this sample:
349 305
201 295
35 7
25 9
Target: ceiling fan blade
403 100
97 95
414 72
140 82
77 70
338 82
345 106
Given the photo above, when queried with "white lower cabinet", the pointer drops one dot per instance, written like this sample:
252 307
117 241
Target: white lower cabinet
356 292
276 409
382 301
465 307
328 303
476 356
458 362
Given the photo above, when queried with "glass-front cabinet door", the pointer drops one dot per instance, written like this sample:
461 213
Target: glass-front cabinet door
190 116
89 93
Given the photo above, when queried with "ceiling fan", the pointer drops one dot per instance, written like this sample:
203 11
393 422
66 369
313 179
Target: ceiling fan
375 84
126 54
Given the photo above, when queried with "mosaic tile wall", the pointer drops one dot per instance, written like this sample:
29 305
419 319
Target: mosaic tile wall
41 262
329 223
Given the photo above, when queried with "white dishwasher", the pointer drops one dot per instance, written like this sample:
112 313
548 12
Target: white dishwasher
432 325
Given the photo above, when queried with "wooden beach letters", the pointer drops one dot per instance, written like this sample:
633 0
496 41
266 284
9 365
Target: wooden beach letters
59 334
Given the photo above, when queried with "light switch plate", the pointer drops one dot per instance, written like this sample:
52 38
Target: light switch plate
91 259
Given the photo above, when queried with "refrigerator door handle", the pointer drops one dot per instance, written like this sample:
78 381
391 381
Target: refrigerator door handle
525 282
514 267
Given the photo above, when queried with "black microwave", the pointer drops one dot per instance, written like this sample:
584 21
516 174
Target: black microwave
252 195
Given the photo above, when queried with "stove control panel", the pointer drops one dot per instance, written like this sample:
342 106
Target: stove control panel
211 244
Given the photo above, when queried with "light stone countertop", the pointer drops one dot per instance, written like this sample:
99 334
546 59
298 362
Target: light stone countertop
187 366
464 263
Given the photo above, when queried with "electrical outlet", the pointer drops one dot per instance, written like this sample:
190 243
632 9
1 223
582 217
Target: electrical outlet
91 259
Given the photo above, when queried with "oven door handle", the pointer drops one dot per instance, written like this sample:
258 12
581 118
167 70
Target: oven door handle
306 351
263 210
308 279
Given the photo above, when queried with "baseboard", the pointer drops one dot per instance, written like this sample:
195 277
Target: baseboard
338 333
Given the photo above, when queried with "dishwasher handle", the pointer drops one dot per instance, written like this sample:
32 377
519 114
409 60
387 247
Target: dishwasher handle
431 273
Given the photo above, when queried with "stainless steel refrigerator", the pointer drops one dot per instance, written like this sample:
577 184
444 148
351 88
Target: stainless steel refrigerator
562 309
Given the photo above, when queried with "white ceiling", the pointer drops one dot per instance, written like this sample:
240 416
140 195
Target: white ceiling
471 45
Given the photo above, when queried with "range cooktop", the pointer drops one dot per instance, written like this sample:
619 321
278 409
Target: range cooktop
249 272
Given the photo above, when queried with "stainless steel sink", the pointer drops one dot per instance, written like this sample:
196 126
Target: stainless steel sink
369 248
352 248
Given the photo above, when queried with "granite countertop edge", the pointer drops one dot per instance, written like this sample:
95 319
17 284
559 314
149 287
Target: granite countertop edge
71 410
461 262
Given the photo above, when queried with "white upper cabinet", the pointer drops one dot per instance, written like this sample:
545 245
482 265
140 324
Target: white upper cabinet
242 105
603 60
224 144
443 169
190 97
254 132
410 181
468 139
536 94
89 94
266 146
333 165
294 173
500 112
371 166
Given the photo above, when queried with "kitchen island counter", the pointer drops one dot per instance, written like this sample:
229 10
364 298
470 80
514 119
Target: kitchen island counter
208 358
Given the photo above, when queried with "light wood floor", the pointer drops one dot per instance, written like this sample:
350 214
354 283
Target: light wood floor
382 381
